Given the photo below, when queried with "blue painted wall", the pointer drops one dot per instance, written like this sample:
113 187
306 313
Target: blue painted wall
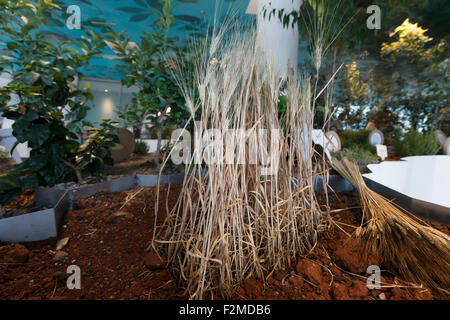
192 17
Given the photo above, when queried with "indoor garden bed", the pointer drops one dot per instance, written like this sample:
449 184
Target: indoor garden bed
109 235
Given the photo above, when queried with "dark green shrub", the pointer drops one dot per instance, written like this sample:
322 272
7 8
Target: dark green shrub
359 138
391 136
95 151
43 73
141 148
416 144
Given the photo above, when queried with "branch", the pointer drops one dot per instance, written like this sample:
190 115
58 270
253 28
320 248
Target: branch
77 171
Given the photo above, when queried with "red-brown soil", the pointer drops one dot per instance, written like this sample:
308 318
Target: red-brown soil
392 157
110 251
25 201
336 269
139 164
109 244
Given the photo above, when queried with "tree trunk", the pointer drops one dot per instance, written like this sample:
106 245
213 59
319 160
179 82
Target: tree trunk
137 132
77 171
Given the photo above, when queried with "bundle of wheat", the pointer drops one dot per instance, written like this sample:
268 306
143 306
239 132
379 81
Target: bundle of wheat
233 221
234 218
415 251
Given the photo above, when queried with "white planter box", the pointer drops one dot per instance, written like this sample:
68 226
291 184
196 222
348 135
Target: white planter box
29 227
44 224
34 226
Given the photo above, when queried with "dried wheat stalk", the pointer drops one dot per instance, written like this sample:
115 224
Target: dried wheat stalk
416 252
230 222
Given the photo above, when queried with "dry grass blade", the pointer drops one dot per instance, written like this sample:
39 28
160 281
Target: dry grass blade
416 252
230 221
131 197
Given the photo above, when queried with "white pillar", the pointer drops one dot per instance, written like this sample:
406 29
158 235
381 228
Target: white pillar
280 43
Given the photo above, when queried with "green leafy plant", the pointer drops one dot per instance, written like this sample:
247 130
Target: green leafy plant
95 151
43 75
419 68
133 115
416 144
351 98
410 83
159 100
141 148
360 139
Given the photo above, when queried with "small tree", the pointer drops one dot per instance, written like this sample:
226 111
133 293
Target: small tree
133 115
352 98
43 75
149 67
419 83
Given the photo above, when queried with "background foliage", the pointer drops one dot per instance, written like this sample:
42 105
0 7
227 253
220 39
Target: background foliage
43 76
159 100
415 144
396 76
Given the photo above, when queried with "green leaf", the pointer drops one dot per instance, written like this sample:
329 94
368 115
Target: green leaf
30 182
88 128
10 195
9 182
51 4
30 78
38 135
56 152
13 115
53 174
37 162
102 153
12 45
30 116
47 79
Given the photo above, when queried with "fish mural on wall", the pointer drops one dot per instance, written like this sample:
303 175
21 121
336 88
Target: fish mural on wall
192 18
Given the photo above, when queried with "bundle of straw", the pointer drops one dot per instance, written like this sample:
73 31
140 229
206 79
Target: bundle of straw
415 252
230 221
